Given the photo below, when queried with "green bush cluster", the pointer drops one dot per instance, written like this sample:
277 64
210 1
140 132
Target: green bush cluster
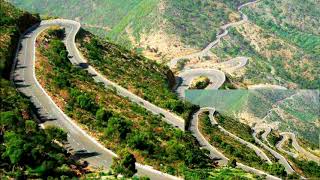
26 150
310 168
232 125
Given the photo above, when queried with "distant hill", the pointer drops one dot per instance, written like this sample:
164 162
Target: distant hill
282 38
190 24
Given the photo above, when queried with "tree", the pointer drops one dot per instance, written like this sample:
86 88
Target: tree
175 150
140 141
31 126
55 133
14 147
84 101
277 169
117 127
8 119
124 164
232 163
103 115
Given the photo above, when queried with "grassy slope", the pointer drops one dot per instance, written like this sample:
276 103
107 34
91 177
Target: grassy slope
105 13
197 22
295 21
140 18
188 19
141 76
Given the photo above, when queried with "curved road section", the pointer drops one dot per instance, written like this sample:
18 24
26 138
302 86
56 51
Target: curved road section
26 82
216 78
214 153
282 160
224 31
295 145
280 144
71 31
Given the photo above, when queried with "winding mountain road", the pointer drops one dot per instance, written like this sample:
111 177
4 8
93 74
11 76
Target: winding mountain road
282 160
224 31
280 144
216 154
78 140
295 145
217 78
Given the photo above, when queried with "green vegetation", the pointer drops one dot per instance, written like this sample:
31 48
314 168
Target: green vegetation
230 173
145 78
239 46
310 168
273 138
290 25
229 83
121 20
237 128
181 63
200 83
292 103
26 150
125 165
118 123
232 148
191 20
140 18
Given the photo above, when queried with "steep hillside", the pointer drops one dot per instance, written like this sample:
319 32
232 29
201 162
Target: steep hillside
282 38
142 76
147 24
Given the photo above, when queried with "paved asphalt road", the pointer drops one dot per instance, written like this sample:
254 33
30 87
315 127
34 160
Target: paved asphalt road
214 153
282 160
257 150
281 143
77 58
295 144
78 140
216 78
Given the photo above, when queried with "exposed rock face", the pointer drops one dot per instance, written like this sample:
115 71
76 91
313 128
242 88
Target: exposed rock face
171 78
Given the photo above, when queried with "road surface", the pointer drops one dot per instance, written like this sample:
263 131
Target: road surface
216 78
224 31
282 160
280 144
214 153
296 146
78 140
